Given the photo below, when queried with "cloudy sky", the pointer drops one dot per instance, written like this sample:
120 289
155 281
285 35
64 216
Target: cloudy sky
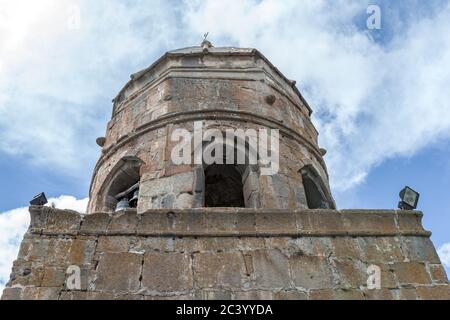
381 97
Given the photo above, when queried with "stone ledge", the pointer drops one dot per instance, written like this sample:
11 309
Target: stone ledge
230 222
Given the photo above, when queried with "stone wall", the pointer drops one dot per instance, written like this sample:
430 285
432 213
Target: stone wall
227 254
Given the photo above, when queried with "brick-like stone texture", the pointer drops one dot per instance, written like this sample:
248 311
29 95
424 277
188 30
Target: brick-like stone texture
228 90
205 254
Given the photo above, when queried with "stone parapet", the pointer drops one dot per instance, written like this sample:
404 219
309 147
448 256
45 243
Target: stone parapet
225 253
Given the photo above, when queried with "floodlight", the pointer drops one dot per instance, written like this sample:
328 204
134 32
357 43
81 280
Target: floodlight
39 200
408 199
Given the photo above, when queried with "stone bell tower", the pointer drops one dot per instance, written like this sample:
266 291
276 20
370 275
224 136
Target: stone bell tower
222 89
159 228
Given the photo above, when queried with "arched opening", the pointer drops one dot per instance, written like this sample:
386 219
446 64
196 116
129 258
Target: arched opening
232 183
314 197
122 188
223 186
316 193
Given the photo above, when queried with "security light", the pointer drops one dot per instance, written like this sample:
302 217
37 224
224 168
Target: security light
408 199
39 200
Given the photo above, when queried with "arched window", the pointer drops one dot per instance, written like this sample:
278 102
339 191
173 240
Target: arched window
317 196
122 184
231 185
223 186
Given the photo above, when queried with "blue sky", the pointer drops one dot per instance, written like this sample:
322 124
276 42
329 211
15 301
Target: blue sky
380 97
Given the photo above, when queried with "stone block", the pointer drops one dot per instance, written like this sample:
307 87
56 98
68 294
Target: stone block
25 248
388 278
411 273
346 247
251 243
53 277
335 294
82 251
199 179
380 249
152 244
420 249
113 244
349 273
407 293
378 294
312 246
271 269
253 295
167 272
311 272
123 223
98 295
275 222
96 223
282 244
30 293
12 294
245 222
189 222
184 200
441 292
172 298
63 222
281 185
127 296
219 270
438 274
212 295
73 295
369 221
322 221
188 244
38 218
410 221
118 272
39 249
178 183
33 293
167 201
58 250
153 223
290 295
25 273
219 244
221 222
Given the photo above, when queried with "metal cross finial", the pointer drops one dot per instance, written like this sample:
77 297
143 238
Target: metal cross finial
205 43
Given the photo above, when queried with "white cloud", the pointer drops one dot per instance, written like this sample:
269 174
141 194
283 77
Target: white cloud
372 101
444 254
56 82
13 225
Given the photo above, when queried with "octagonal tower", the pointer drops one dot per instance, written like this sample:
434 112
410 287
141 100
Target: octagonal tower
218 88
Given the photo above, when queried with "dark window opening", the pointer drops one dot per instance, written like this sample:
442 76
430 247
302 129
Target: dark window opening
314 197
316 193
223 186
123 189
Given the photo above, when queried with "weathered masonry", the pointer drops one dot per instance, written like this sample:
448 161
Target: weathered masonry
223 88
219 253
155 229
